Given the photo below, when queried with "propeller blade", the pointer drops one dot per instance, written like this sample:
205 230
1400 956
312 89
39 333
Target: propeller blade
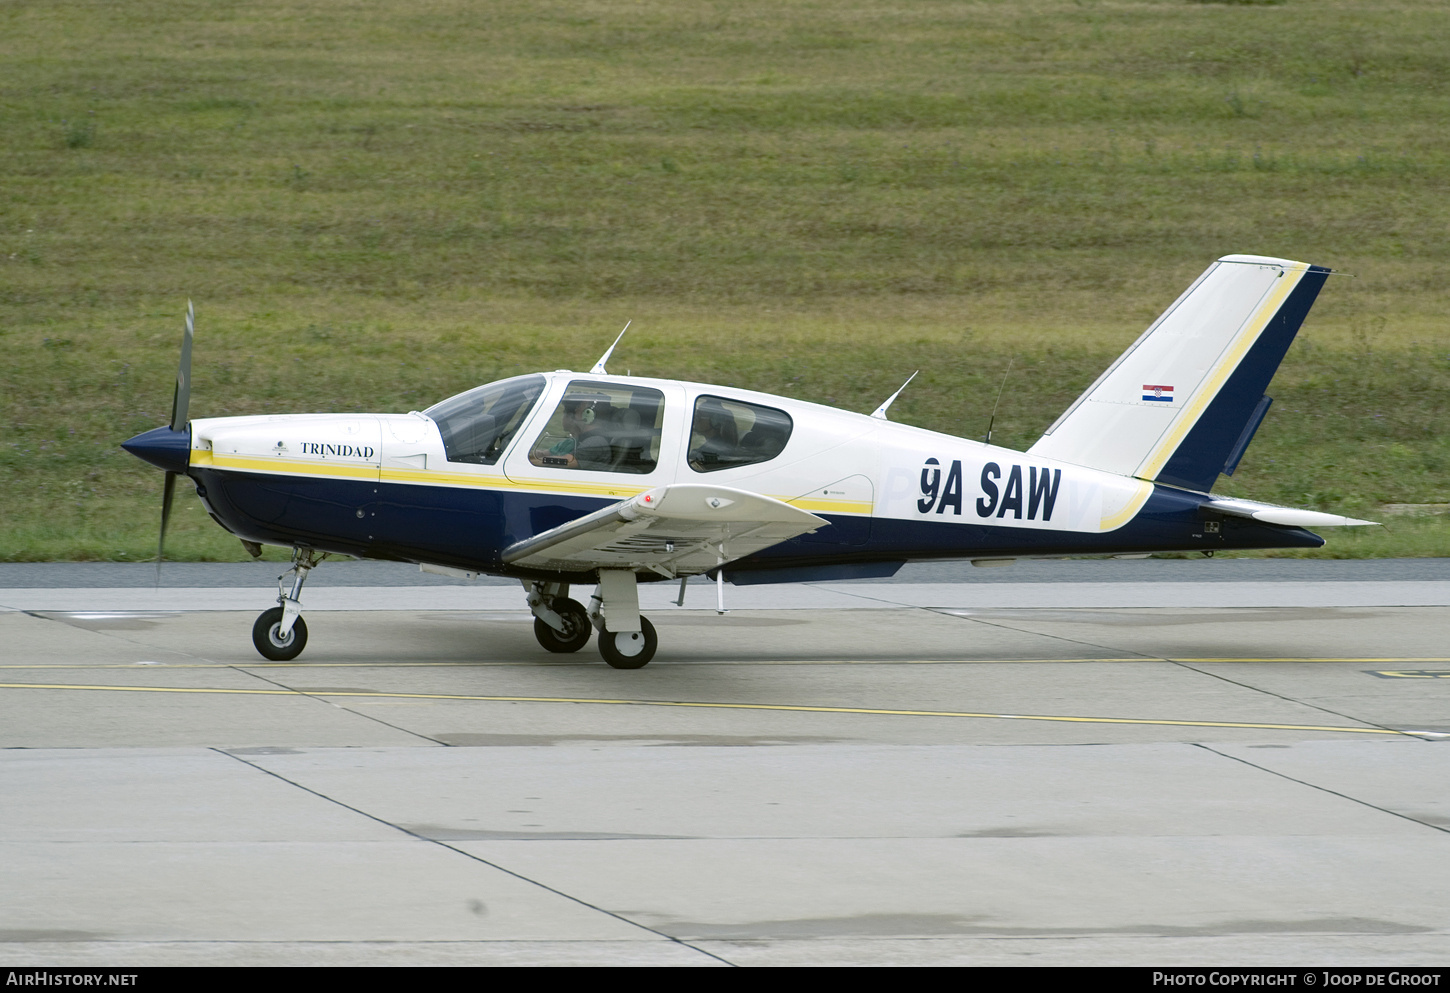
166 496
181 399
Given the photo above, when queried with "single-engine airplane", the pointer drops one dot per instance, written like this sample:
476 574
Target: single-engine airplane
563 478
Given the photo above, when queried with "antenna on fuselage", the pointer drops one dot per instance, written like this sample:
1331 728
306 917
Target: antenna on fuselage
993 419
598 369
881 410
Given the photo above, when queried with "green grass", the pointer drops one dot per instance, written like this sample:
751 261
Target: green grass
376 204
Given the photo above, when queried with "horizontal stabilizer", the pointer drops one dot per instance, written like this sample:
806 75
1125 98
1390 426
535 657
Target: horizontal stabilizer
1181 405
1288 516
679 530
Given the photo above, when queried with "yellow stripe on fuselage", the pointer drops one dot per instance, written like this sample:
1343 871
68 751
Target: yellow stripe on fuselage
291 467
862 507
434 477
430 477
437 477
1134 504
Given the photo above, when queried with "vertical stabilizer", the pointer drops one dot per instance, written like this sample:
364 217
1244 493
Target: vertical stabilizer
1181 405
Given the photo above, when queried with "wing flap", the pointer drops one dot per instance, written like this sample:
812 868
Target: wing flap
684 529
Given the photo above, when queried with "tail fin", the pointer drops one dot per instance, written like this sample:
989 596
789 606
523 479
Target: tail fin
1181 405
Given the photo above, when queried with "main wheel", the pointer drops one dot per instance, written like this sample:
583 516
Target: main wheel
267 636
629 651
576 628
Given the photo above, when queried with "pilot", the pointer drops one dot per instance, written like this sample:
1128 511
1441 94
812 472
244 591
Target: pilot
586 447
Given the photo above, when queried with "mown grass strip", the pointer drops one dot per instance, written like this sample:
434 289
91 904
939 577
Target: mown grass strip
380 206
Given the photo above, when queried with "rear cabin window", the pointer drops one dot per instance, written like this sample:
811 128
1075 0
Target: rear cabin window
728 433
478 425
601 427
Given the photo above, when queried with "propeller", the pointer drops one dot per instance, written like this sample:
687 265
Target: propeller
181 399
180 406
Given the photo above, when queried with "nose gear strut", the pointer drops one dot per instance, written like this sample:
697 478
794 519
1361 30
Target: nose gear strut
280 634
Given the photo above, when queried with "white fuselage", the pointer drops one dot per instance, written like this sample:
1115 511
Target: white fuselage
836 462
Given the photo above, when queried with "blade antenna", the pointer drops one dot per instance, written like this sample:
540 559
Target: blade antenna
881 410
993 419
598 369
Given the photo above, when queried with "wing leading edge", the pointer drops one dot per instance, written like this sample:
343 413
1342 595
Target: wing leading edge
679 530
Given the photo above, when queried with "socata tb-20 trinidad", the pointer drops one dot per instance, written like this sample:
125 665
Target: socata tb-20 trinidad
565 478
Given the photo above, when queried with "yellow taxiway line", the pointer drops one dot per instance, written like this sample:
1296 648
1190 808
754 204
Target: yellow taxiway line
706 705
552 663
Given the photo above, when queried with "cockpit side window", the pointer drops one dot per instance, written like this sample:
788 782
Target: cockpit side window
730 433
603 427
477 426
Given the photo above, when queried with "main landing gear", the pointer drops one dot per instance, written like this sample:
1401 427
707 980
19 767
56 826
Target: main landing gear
280 634
560 624
626 640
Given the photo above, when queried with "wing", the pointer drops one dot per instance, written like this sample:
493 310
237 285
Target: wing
678 530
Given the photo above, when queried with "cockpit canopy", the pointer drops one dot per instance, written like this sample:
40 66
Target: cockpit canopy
605 427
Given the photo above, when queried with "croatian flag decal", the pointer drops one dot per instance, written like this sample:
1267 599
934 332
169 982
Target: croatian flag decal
1163 394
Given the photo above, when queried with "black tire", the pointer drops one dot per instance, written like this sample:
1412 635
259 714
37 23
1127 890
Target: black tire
264 636
611 643
576 619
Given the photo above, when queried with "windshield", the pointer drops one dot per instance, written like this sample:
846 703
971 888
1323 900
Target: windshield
478 425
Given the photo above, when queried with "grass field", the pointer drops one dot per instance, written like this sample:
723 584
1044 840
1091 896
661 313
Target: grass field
377 204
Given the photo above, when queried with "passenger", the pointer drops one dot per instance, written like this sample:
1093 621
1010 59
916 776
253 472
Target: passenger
764 441
719 443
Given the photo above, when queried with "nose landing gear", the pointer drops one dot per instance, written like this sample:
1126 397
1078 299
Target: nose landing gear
280 634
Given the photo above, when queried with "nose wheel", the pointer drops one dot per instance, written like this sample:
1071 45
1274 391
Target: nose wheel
269 640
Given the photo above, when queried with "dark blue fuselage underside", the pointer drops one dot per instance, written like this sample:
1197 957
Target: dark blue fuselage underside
468 528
